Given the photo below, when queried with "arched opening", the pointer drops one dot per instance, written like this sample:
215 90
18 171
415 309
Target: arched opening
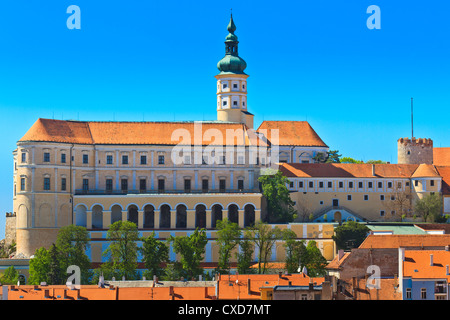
233 213
133 215
337 216
164 221
97 217
80 216
149 216
249 215
116 213
216 214
200 216
181 216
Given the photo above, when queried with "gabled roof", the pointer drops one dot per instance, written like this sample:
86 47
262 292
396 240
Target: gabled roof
417 264
444 172
291 133
406 240
141 133
425 171
347 170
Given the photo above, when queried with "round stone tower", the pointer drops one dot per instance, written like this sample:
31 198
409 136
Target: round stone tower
415 151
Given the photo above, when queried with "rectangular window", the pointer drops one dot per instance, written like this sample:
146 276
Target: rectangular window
408 293
109 185
124 184
24 157
85 184
63 184
350 184
399 185
109 159
349 197
46 156
240 160
341 184
360 185
46 183
382 213
311 184
370 185
382 197
124 159
330 184
160 159
161 185
205 185
187 159
291 184
224 160
143 159
380 185
241 184
222 185
63 158
366 197
142 185
22 184
389 185
85 159
416 182
431 183
187 185
320 184
423 293
300 184
204 160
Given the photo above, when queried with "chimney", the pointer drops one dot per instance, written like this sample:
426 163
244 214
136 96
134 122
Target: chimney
248 286
447 271
447 248
340 254
431 260
311 284
373 170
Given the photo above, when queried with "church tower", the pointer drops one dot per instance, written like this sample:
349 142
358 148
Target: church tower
232 83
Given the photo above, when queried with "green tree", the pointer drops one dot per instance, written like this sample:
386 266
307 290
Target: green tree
55 275
430 208
39 266
333 156
264 237
71 243
313 260
228 238
376 161
122 251
10 276
349 160
350 232
295 251
154 254
320 157
191 250
245 254
279 203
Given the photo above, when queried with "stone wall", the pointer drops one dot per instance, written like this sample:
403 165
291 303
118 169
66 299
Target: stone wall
10 228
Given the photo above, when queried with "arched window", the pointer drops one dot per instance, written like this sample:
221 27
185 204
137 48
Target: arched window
233 213
216 213
164 221
149 216
80 216
200 216
133 215
116 213
249 215
181 216
97 217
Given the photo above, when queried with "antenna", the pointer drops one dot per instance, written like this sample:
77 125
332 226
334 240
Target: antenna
412 119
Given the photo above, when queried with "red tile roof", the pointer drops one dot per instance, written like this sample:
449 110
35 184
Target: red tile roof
417 264
444 172
347 170
405 240
292 133
141 133
441 156
425 171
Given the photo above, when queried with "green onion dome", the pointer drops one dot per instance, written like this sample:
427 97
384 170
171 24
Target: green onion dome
231 63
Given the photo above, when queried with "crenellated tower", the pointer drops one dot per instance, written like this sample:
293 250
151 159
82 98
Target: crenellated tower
415 151
232 83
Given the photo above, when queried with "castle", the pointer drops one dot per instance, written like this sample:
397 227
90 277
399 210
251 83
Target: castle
176 176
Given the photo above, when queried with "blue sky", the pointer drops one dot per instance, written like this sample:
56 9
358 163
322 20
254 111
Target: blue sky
307 60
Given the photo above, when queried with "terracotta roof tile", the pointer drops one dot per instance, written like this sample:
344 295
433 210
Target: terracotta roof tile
347 170
405 240
417 264
141 133
425 170
292 133
444 172
441 156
